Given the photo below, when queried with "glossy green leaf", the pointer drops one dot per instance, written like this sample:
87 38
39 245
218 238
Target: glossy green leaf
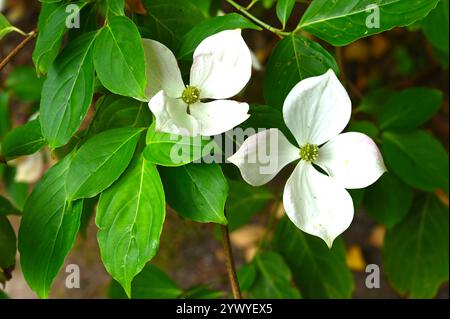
114 111
8 244
410 108
23 140
344 21
196 191
54 221
284 10
436 26
318 271
274 278
119 58
114 7
388 200
416 250
168 21
294 58
23 82
209 27
417 158
151 283
52 26
67 92
175 150
100 161
6 208
130 218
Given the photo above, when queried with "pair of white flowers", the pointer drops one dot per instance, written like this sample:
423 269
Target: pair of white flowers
316 111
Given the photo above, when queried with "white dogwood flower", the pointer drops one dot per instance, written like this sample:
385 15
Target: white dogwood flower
316 111
221 68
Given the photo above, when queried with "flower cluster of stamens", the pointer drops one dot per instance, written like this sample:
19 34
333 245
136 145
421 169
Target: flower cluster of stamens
309 152
190 95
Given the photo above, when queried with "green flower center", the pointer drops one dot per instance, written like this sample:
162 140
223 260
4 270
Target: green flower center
309 152
190 95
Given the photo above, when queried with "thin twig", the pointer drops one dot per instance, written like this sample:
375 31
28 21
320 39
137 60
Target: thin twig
231 269
17 49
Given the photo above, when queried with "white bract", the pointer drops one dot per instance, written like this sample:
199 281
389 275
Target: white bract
221 68
316 111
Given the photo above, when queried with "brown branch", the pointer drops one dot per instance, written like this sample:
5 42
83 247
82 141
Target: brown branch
231 269
17 49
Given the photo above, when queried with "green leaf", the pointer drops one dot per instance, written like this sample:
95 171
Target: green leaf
6 208
196 191
417 158
375 101
388 200
24 83
54 221
151 283
67 92
202 292
294 58
168 21
342 22
247 276
52 26
175 150
8 244
114 111
410 108
100 161
416 250
436 26
130 218
23 140
5 122
244 201
273 280
3 295
6 27
284 10
114 7
364 127
318 271
209 27
119 58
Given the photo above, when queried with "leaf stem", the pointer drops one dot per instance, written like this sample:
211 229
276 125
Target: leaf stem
231 269
17 49
266 26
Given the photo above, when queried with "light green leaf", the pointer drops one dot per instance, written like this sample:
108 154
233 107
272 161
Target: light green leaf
417 158
6 27
209 27
119 58
54 221
196 191
344 21
388 200
23 140
410 108
416 250
318 271
100 161
67 92
284 10
130 217
175 150
151 283
294 58
273 280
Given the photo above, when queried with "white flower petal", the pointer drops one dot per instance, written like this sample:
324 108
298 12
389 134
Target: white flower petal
219 116
352 159
317 109
171 115
222 65
263 155
316 204
162 70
